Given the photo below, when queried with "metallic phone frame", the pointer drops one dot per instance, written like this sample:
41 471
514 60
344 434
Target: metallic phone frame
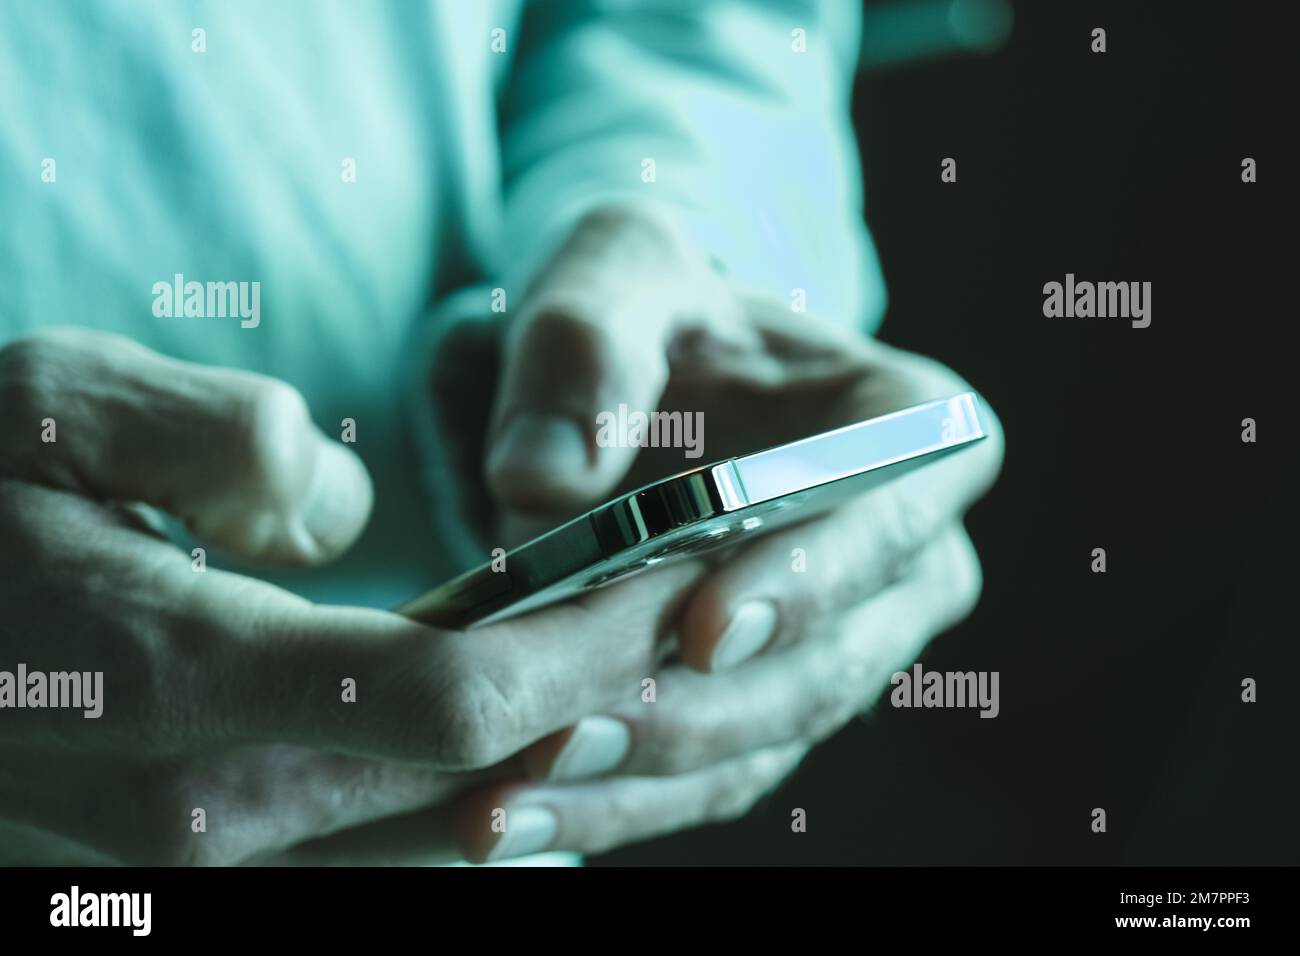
701 509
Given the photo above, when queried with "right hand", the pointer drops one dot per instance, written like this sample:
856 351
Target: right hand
222 692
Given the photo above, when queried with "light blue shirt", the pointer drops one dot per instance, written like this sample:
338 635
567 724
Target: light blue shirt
142 139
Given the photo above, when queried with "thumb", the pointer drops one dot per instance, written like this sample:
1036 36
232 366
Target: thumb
232 453
561 370
593 334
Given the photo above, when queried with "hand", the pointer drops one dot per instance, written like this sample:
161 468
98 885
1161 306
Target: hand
771 660
222 693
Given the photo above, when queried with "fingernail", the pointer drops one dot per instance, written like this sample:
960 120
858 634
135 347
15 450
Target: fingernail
527 830
337 501
597 745
747 634
545 444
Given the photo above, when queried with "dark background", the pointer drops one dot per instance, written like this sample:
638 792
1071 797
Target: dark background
1118 690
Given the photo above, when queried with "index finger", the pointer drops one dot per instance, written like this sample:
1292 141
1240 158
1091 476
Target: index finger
373 683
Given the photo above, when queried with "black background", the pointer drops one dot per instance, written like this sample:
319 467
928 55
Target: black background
1119 690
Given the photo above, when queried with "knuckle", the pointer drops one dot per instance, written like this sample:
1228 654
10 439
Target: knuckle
669 746
46 375
966 575
29 376
897 527
735 796
675 757
904 527
841 585
51 356
831 696
471 722
621 819
748 781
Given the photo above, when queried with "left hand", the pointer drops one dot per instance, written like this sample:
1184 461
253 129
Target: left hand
771 660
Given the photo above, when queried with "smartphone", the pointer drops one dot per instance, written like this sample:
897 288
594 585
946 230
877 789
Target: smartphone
715 506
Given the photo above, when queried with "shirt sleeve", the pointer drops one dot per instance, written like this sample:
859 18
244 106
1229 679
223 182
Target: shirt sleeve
731 117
